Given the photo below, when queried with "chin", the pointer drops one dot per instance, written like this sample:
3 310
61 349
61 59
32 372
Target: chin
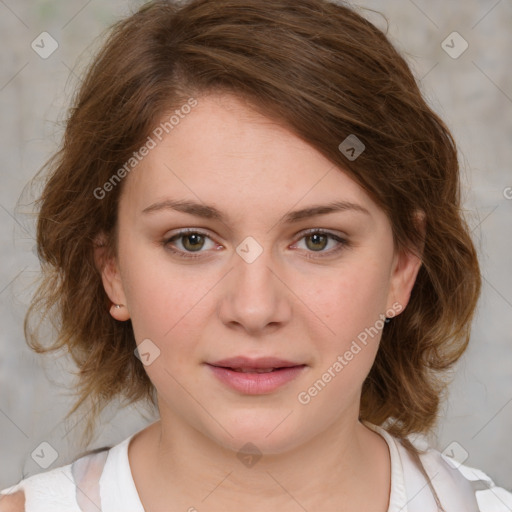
268 432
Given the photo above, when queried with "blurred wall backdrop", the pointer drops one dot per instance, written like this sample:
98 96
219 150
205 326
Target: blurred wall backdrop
460 53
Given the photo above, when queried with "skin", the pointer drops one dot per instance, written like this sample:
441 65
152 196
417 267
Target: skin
308 310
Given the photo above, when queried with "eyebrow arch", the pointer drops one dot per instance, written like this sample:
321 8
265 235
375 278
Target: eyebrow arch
210 212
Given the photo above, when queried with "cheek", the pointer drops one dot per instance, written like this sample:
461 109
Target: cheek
352 308
352 305
168 304
352 299
166 311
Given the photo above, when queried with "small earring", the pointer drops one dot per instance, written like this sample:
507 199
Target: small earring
387 320
115 311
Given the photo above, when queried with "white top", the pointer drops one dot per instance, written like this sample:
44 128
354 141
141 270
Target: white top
103 481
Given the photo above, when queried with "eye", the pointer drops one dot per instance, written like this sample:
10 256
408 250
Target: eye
317 241
191 241
187 242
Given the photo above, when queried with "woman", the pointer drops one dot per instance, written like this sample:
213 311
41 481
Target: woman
254 224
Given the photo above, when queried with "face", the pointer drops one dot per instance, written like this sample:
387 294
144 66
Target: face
244 274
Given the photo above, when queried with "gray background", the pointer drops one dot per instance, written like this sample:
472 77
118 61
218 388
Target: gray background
473 93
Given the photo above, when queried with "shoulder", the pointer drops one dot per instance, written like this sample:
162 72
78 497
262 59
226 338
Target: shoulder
489 496
426 479
73 487
14 502
53 490
50 490
461 485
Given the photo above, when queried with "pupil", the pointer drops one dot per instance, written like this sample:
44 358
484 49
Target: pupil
196 239
317 239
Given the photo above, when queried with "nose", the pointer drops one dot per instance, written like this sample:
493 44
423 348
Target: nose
255 299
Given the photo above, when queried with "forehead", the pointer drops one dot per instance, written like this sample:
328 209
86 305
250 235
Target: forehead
225 152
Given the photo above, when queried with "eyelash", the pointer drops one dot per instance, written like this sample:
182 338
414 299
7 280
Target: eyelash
343 243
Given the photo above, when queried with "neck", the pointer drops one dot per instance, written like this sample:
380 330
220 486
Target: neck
346 467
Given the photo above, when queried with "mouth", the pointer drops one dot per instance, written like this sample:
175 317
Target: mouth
253 365
257 370
257 377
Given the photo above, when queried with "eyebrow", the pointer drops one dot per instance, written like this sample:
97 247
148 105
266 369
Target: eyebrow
210 212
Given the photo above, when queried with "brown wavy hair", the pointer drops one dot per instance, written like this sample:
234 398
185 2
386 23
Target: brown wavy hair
323 71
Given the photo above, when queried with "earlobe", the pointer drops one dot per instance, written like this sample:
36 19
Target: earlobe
404 276
119 312
407 264
107 265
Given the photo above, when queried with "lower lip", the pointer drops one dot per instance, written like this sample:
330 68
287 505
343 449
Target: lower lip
256 383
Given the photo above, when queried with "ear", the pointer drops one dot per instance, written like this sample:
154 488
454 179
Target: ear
406 265
107 265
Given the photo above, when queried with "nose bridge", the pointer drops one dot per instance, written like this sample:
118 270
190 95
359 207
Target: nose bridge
254 296
255 275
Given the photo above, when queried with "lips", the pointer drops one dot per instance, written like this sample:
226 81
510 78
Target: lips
258 365
255 376
252 370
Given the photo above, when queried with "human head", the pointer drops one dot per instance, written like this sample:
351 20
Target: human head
323 72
